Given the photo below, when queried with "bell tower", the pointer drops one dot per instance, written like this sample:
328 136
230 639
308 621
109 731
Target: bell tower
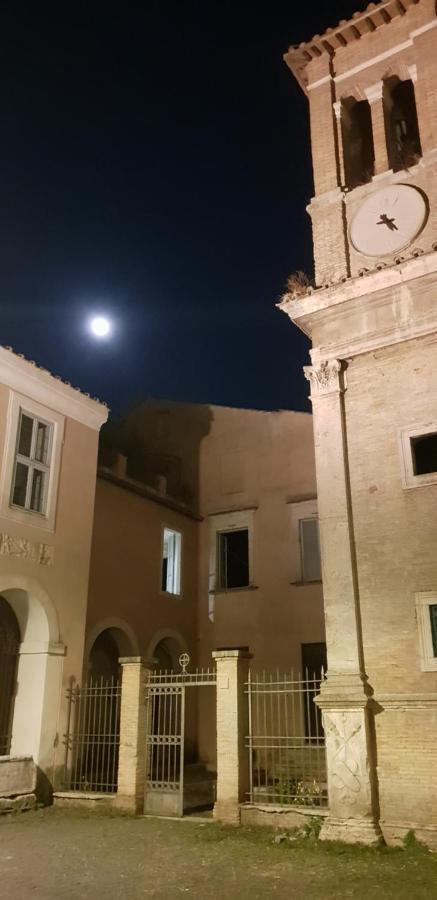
372 89
371 83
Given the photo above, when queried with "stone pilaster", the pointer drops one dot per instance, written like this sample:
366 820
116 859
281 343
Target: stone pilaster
133 729
232 730
344 696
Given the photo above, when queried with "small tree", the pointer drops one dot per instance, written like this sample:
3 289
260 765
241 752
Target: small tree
297 285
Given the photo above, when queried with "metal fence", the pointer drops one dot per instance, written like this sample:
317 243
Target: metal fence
286 740
93 736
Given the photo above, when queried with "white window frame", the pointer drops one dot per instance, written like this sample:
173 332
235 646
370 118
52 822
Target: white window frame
299 511
44 520
423 600
222 523
176 574
409 479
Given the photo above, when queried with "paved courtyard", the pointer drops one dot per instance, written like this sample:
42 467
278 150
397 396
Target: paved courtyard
69 855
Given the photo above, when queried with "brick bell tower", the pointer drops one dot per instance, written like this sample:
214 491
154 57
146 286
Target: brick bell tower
371 83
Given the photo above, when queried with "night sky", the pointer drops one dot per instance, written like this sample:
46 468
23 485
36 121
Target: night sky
155 167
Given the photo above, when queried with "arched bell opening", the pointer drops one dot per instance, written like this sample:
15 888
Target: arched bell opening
401 123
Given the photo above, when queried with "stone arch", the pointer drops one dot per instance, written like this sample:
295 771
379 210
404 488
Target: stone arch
166 647
39 674
33 608
121 634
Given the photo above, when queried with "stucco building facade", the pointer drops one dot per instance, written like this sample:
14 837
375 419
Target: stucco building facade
48 449
372 89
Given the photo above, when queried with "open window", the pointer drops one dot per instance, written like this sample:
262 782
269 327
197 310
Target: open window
426 617
401 124
233 559
357 139
305 543
418 447
171 561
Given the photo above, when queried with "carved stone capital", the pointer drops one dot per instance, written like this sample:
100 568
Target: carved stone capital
326 377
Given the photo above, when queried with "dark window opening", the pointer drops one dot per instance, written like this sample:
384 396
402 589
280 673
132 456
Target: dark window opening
314 664
358 147
401 124
424 452
433 616
233 558
9 646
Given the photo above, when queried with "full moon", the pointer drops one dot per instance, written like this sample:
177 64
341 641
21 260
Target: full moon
100 326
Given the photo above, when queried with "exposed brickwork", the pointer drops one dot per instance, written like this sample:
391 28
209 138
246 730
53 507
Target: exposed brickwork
133 722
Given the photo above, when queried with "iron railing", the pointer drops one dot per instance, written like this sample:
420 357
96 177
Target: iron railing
92 739
286 741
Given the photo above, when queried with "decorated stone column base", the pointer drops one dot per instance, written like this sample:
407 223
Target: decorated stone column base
351 831
353 808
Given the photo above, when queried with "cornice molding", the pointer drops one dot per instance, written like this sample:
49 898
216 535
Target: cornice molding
26 378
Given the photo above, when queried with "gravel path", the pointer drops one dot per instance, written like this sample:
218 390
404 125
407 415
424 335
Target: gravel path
66 855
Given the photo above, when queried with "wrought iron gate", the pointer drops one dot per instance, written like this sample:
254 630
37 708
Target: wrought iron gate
166 719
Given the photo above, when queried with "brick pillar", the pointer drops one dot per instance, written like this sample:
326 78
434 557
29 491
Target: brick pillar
344 697
133 727
374 95
232 730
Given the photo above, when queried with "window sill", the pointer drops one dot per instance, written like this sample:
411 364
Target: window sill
170 594
238 590
28 517
305 583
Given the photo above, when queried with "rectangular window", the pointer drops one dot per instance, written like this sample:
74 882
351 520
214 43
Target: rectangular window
310 549
433 617
171 562
233 558
424 453
32 464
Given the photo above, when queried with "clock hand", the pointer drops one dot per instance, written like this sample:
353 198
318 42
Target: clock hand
385 220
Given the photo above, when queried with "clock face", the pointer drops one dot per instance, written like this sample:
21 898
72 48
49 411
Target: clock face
388 220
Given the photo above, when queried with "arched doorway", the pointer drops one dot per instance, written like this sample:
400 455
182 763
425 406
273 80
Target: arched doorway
34 712
9 649
104 656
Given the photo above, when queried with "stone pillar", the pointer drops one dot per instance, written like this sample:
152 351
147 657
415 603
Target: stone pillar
374 95
133 729
344 697
232 730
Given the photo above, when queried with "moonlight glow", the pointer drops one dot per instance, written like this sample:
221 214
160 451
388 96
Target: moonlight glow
100 327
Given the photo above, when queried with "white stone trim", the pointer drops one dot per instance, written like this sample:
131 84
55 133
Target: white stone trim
423 600
423 28
33 647
374 92
409 479
44 388
44 521
375 59
316 84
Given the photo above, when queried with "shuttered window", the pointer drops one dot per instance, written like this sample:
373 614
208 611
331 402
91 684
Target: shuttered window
310 549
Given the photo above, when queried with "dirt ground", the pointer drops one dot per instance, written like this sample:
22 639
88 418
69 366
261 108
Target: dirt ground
69 855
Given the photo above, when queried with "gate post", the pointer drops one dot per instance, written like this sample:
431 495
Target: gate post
133 727
232 730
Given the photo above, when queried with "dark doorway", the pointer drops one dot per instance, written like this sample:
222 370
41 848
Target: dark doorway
9 647
314 664
104 656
